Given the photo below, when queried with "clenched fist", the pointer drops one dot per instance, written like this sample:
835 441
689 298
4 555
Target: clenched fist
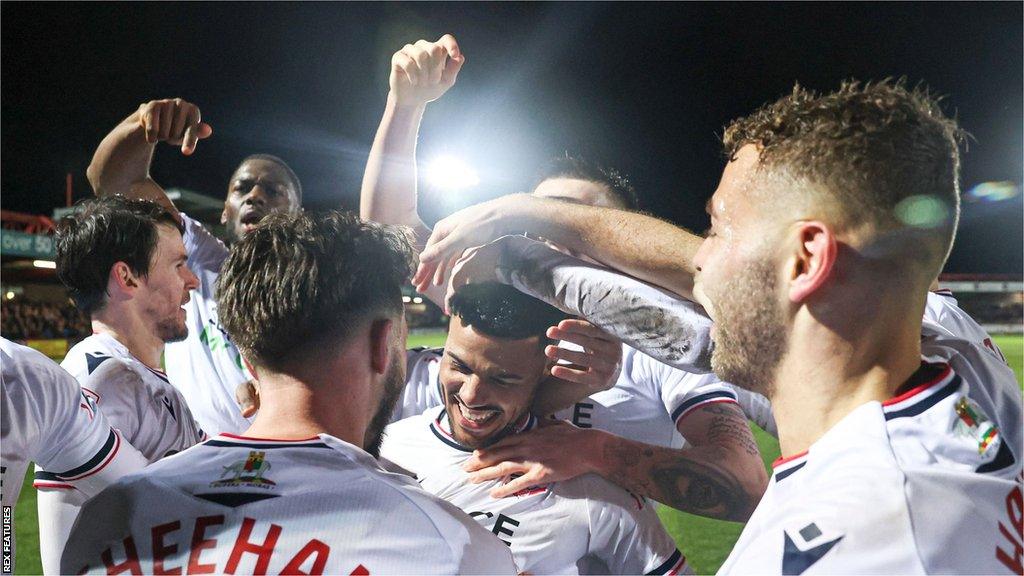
174 121
424 71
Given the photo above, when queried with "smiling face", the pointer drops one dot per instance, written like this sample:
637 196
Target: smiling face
165 288
488 383
738 280
258 187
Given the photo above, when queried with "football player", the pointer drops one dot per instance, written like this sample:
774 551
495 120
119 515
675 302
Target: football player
206 366
315 304
48 419
903 439
487 376
647 405
124 264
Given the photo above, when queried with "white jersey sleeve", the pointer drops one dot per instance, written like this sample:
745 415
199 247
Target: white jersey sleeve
206 253
421 390
681 392
207 367
674 331
626 533
46 418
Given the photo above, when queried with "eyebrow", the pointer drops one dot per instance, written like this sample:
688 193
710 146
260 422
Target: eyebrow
504 375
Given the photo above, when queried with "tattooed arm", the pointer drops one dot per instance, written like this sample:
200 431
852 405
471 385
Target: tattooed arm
720 475
671 330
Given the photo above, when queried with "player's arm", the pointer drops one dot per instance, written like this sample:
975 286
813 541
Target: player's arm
642 246
121 163
674 331
721 476
420 73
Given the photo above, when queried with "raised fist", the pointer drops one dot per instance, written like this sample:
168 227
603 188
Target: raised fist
424 71
174 121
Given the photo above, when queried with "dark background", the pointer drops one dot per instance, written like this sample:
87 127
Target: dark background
644 87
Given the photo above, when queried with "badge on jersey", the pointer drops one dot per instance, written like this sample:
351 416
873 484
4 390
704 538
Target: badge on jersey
972 423
248 472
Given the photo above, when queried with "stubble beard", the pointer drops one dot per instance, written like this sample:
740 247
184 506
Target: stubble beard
751 334
394 383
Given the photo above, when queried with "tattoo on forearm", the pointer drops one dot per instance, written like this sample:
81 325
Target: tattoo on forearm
665 475
730 430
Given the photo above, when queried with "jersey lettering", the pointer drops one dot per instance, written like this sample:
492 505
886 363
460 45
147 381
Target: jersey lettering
161 551
500 528
200 543
263 551
322 551
131 560
581 414
1015 515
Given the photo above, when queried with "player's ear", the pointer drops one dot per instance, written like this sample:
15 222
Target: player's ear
224 214
121 281
813 257
380 344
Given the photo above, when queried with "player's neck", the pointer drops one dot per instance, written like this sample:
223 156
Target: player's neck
141 342
294 408
827 375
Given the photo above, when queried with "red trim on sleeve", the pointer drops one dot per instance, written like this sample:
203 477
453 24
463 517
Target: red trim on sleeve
783 460
44 484
117 446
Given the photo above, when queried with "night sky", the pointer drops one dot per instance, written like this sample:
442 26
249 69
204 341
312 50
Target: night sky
646 88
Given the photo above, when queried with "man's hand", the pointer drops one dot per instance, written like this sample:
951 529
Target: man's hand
468 228
424 71
173 121
551 453
597 366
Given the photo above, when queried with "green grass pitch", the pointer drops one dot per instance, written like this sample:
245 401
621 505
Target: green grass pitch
705 542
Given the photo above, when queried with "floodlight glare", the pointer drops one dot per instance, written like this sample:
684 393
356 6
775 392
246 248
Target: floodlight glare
49 264
450 173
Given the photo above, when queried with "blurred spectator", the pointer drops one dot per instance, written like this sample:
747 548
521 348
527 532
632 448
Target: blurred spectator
21 320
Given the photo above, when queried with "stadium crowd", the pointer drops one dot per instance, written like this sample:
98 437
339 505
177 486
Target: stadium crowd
599 362
23 319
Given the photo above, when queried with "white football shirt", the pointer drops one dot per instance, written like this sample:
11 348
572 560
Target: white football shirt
648 401
207 367
252 505
923 483
47 419
586 525
138 401
646 404
943 309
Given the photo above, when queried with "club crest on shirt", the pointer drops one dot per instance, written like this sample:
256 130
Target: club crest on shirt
972 423
248 472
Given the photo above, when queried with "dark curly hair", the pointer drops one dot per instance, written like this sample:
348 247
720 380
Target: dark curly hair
580 168
101 233
302 281
501 311
871 147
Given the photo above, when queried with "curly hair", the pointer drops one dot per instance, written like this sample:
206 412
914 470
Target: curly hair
101 233
298 281
501 311
875 148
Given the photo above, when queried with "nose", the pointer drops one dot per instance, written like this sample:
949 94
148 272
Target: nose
472 392
256 195
191 280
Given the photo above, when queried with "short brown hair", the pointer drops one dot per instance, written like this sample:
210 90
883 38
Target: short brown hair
297 281
876 149
100 233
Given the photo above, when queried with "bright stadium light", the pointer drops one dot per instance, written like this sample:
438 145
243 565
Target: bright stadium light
406 299
48 264
451 173
10 295
417 300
